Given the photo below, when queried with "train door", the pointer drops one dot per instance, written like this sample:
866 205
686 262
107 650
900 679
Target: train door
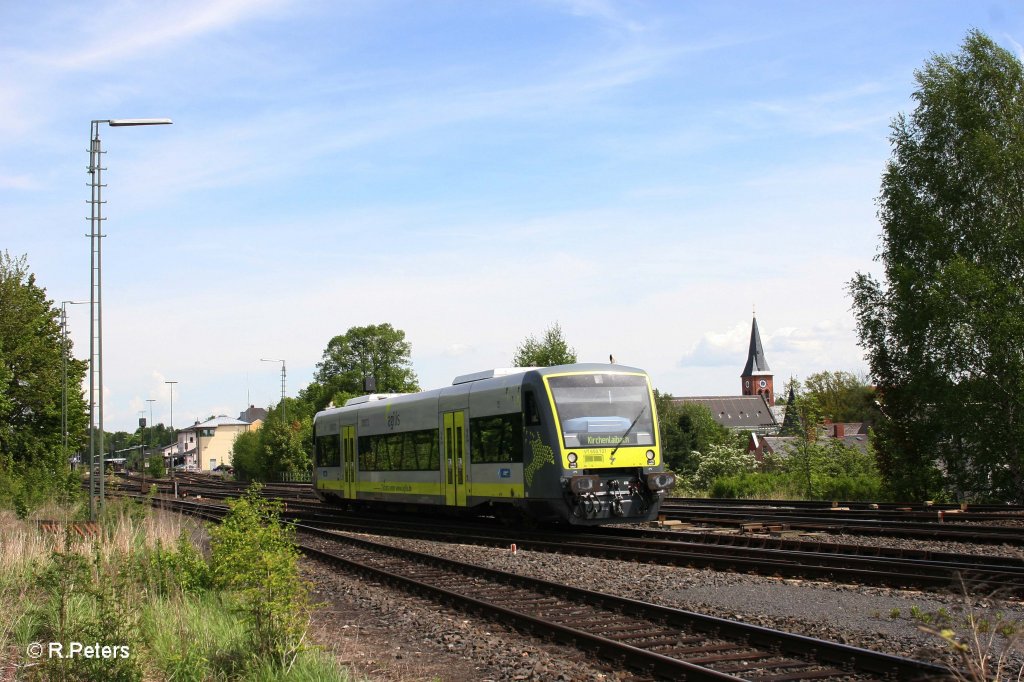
454 434
348 455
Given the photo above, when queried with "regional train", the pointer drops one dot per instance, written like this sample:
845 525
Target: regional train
574 444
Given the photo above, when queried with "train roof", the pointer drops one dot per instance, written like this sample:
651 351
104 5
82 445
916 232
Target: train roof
481 379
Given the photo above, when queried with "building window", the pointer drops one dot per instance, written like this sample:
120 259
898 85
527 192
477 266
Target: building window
213 463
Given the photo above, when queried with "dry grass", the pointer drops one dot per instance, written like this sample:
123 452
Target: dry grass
123 530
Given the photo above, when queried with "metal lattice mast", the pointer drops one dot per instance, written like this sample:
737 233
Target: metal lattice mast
284 374
96 303
95 320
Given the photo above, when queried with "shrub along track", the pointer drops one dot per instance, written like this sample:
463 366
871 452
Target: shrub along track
664 642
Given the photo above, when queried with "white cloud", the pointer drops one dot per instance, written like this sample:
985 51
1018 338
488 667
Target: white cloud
719 349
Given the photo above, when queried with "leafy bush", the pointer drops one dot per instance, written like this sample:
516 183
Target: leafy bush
719 461
254 555
756 485
793 486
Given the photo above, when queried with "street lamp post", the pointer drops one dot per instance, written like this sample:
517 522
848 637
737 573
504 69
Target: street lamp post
284 408
96 304
142 437
150 401
64 369
171 384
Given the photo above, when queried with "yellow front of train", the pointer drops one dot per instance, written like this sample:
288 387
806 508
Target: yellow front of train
606 442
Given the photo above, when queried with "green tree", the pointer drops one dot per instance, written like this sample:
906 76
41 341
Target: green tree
159 435
377 351
843 396
807 417
32 361
284 450
547 351
687 430
943 333
155 466
247 457
277 447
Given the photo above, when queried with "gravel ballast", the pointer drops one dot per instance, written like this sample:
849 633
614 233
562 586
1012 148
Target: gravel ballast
415 639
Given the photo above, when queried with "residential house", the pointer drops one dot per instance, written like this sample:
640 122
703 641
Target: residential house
209 444
254 415
854 435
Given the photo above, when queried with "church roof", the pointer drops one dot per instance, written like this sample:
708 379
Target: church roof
736 411
756 364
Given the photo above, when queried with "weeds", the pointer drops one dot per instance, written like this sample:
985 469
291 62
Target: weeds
983 639
142 584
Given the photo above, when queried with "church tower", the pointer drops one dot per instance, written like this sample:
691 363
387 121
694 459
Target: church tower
757 376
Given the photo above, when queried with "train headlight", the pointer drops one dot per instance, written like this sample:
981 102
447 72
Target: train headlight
661 480
650 457
571 457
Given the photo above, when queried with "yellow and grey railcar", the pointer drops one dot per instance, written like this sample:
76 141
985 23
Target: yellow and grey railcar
571 443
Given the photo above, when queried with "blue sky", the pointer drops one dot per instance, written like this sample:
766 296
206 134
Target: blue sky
643 173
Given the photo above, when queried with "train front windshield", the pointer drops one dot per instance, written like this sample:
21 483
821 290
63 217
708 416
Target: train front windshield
603 410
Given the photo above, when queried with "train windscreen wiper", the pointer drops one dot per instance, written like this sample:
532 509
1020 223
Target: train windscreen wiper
626 434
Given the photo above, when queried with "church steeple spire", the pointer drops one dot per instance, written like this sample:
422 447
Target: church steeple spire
757 376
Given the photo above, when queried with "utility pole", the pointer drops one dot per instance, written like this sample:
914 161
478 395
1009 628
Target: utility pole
284 408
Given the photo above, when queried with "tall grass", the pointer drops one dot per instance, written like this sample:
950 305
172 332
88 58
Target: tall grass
125 527
140 582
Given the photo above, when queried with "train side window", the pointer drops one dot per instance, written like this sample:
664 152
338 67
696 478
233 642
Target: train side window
496 439
532 415
407 451
328 452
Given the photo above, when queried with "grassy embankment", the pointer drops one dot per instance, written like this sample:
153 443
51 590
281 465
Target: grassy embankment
143 588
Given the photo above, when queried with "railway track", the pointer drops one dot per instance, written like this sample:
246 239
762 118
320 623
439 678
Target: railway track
659 641
790 559
901 507
744 553
946 528
922 522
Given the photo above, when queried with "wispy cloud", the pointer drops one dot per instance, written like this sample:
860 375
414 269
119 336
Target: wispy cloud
854 108
606 11
127 30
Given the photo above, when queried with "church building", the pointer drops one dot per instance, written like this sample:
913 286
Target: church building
757 376
754 409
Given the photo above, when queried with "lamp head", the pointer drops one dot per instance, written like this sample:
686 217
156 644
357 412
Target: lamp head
139 122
